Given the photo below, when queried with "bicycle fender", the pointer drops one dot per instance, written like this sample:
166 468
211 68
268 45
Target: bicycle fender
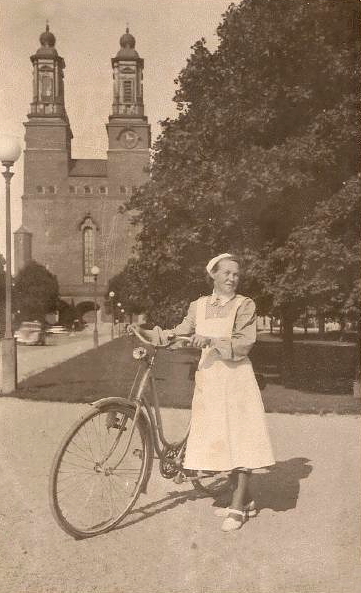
100 403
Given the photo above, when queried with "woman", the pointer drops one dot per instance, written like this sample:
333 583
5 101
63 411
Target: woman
228 430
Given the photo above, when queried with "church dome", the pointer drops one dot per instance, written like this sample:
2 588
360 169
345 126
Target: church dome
47 39
127 45
127 40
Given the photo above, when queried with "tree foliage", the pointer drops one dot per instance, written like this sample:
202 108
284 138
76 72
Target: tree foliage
36 292
319 264
266 134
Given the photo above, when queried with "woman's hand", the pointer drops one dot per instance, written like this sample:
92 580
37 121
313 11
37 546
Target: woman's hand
148 334
199 341
130 328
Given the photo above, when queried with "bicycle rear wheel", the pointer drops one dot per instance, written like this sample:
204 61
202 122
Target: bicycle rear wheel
213 485
99 470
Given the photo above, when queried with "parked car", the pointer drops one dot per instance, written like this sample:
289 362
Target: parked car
57 329
31 333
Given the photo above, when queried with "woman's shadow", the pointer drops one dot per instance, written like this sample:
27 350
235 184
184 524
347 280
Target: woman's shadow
278 489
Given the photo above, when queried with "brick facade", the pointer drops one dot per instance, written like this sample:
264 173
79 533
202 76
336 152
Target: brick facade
70 207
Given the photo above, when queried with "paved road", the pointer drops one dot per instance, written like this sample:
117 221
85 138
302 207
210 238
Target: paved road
34 359
306 538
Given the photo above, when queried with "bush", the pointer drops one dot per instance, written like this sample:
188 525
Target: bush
322 367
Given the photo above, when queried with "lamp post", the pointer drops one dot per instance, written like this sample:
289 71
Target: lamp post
10 151
119 305
95 273
111 296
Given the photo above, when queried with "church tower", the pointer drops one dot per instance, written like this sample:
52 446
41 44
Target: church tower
48 134
72 208
128 128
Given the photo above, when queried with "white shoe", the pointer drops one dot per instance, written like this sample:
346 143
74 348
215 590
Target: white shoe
231 524
249 509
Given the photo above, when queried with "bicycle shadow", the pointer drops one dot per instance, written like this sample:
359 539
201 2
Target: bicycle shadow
167 503
277 489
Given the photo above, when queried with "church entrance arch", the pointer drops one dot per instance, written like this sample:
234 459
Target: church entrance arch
85 311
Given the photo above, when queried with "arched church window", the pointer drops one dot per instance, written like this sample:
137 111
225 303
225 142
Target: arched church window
51 189
40 189
88 252
87 189
128 91
122 189
88 229
103 190
72 189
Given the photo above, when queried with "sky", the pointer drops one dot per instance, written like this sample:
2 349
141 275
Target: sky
87 36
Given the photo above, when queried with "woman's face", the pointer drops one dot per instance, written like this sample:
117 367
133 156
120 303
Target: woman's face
226 277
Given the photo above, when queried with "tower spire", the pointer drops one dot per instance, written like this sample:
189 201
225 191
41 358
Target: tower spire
128 77
48 87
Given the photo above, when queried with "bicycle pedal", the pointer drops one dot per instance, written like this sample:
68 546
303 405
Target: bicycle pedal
179 478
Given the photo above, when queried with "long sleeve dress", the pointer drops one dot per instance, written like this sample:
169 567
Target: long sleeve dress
228 425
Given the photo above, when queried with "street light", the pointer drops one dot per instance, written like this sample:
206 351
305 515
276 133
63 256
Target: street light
119 305
95 273
111 296
10 151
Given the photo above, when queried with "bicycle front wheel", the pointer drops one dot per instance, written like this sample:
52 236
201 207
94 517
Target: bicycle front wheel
99 470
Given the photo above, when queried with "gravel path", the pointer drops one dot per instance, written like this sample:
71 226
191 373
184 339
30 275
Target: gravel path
306 538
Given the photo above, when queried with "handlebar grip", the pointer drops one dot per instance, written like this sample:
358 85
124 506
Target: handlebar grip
132 330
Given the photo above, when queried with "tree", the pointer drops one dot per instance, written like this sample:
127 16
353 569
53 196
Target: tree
36 292
319 265
266 130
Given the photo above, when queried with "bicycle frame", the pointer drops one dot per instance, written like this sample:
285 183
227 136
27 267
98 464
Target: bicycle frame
139 400
155 418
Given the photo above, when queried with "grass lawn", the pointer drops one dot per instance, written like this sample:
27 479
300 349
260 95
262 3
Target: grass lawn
109 371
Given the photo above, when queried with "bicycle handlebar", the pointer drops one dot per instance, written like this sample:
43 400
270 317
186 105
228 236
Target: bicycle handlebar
173 340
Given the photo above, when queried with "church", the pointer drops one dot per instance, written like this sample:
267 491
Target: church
72 215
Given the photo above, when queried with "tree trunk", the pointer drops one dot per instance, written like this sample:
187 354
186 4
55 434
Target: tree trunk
321 324
305 322
288 363
342 328
271 324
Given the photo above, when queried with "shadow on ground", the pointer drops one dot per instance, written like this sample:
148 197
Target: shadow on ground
276 489
109 371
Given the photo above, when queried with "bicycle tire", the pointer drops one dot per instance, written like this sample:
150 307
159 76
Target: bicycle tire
134 480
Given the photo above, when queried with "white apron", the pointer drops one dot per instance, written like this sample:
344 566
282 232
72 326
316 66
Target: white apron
228 427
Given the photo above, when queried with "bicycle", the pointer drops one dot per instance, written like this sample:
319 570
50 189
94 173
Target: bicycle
105 460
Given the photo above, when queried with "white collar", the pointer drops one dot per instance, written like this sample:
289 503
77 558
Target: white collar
222 299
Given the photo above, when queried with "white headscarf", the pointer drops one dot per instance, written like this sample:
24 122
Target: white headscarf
212 262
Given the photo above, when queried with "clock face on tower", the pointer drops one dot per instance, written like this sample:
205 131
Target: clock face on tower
128 139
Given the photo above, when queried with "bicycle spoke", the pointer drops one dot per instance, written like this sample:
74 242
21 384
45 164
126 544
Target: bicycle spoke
76 465
77 455
76 487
